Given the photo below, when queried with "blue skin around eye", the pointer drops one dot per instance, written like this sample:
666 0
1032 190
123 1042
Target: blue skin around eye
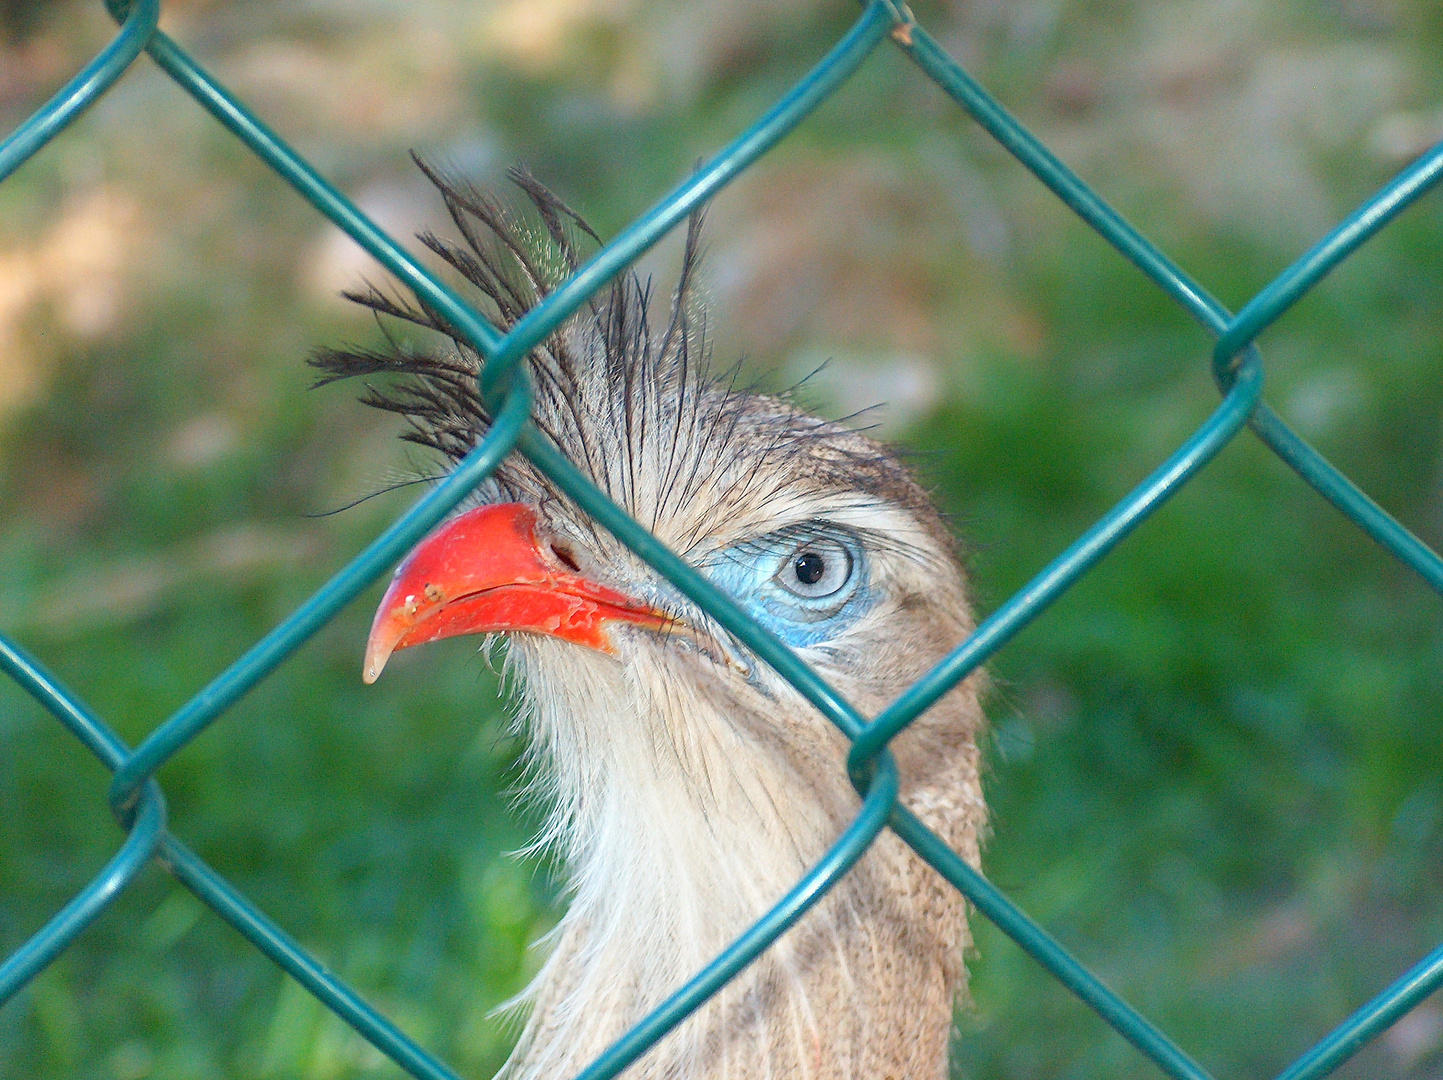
747 573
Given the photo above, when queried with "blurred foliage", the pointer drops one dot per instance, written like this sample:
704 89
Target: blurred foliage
1215 767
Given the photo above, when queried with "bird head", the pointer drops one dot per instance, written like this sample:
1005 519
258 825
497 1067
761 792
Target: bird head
690 784
816 531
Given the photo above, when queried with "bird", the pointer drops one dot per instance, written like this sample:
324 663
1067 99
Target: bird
688 786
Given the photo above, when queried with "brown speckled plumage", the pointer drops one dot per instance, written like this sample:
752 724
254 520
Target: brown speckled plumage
689 786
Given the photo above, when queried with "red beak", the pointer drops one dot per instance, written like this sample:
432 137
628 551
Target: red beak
486 571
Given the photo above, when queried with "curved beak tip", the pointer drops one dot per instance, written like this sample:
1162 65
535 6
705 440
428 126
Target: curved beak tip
377 653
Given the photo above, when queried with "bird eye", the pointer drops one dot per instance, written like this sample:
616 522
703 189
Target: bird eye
819 569
806 583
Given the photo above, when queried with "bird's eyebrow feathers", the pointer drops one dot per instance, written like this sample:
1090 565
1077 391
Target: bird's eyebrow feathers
876 540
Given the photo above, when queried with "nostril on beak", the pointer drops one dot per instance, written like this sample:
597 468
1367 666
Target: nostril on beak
564 553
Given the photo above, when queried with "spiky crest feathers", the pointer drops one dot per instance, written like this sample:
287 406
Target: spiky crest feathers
639 409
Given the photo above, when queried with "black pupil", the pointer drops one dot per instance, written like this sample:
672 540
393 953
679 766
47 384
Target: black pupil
810 567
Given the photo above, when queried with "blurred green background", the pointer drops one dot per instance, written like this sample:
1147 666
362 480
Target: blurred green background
1216 767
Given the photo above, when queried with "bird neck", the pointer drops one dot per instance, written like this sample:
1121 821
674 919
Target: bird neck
683 817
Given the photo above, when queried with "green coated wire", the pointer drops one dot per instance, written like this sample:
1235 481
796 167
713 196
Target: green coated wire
1355 231
56 935
814 88
1376 212
82 91
148 834
1062 572
227 902
1370 1021
1237 364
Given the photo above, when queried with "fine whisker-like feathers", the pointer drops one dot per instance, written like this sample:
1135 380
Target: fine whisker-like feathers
386 489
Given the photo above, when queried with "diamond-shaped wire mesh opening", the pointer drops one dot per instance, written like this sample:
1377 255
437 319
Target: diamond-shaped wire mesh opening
1238 368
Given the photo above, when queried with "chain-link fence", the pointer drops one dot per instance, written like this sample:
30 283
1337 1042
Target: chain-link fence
1238 369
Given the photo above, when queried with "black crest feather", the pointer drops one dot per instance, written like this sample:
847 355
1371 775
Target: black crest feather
514 262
